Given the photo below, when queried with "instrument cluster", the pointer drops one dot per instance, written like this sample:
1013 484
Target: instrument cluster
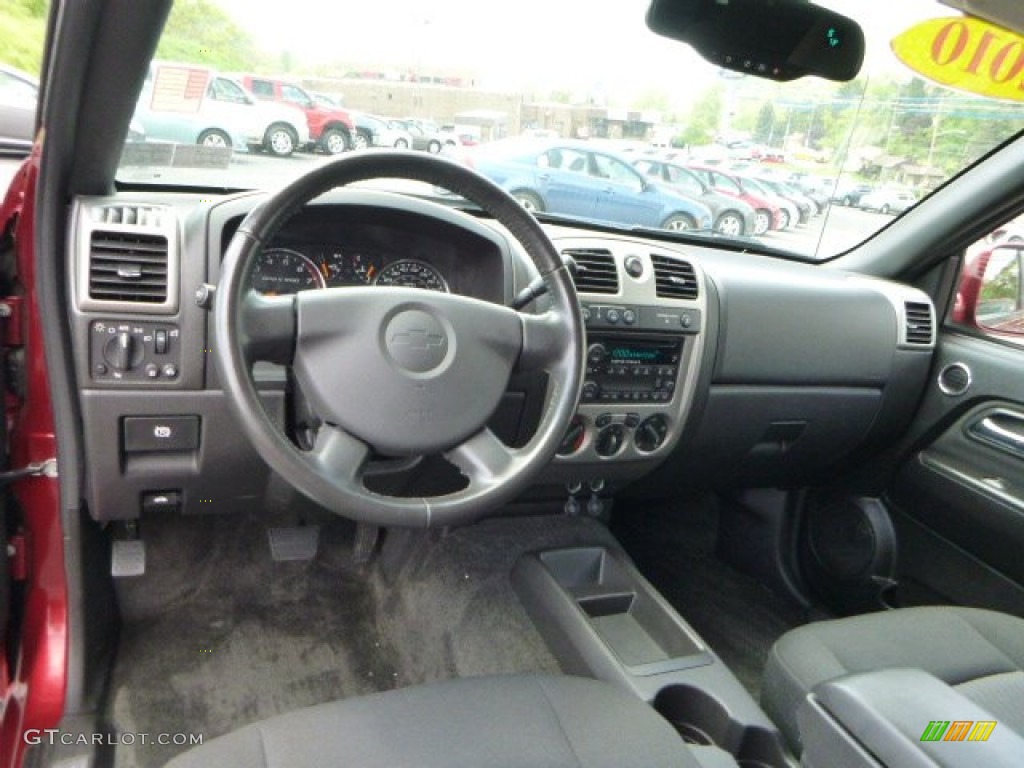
286 270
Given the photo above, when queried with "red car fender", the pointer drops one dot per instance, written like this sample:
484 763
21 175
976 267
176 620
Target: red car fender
32 694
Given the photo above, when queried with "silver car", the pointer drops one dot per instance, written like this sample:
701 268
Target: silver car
19 92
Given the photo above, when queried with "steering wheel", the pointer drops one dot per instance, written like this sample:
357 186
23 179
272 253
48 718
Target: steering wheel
400 371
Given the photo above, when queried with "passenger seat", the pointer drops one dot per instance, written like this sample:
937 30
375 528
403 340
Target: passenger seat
978 653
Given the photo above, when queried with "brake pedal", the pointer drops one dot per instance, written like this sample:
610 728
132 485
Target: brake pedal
294 543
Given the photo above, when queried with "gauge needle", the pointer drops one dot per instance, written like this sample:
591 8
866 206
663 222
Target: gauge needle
370 272
325 270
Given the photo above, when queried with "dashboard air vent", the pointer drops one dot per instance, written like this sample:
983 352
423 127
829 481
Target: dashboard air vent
140 215
595 270
674 278
128 266
919 323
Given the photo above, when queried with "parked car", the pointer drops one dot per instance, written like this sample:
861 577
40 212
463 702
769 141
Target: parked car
769 215
427 135
573 179
789 211
331 129
887 200
732 216
19 92
805 205
375 131
283 128
849 193
179 104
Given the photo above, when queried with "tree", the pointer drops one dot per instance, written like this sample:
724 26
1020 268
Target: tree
23 31
764 130
705 118
199 32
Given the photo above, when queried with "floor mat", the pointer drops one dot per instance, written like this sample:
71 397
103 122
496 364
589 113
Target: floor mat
738 616
217 634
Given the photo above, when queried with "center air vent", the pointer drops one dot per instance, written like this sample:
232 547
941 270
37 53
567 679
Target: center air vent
674 278
128 267
595 270
919 323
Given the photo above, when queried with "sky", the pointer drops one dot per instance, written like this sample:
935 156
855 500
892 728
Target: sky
600 47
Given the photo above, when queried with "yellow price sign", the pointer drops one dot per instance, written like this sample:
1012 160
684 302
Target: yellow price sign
966 53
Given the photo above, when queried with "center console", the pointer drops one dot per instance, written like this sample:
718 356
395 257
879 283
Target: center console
644 312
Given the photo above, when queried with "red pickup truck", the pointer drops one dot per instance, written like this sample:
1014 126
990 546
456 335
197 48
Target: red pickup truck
331 129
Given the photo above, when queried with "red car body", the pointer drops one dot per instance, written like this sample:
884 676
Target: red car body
330 128
32 691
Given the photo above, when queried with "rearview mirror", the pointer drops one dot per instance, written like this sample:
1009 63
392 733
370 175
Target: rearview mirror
774 39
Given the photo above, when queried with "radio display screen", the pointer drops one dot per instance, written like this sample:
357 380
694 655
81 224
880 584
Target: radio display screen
644 354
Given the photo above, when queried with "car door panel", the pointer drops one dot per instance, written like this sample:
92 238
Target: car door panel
963 486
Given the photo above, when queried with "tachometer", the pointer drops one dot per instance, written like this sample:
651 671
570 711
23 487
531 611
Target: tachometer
411 273
283 271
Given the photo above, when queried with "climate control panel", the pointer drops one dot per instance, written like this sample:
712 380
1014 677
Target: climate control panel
134 351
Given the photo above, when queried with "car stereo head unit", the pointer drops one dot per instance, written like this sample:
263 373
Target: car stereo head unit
631 370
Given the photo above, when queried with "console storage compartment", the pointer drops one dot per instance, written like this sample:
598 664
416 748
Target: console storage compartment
631 623
602 618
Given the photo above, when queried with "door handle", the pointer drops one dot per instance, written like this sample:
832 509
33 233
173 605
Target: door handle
1002 429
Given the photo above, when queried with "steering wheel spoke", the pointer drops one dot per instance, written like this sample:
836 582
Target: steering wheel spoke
483 458
544 341
339 455
268 327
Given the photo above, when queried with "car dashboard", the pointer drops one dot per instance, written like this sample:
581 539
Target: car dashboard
703 366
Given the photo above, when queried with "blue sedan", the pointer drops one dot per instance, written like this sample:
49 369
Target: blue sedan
574 179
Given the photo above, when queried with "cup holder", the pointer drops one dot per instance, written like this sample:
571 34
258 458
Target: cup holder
700 718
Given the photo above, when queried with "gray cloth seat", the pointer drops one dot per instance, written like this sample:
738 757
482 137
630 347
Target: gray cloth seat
486 722
978 652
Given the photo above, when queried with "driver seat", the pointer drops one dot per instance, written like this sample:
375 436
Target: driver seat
484 722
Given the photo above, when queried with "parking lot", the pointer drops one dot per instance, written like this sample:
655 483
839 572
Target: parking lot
845 226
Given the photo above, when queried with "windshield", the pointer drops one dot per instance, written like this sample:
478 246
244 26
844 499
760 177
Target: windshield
575 108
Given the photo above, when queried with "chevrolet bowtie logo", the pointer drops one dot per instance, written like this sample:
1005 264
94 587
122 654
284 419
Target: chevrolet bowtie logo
418 340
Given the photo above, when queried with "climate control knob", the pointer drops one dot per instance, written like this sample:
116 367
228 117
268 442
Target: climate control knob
610 439
650 434
573 439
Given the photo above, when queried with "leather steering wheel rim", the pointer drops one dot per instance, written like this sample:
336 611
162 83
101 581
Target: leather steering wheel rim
293 330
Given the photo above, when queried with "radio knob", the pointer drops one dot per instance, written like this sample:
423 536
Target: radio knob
590 390
597 354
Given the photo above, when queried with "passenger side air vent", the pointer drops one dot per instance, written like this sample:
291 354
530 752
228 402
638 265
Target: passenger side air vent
674 278
595 270
128 267
919 323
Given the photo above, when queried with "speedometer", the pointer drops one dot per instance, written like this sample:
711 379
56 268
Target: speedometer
282 271
411 273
